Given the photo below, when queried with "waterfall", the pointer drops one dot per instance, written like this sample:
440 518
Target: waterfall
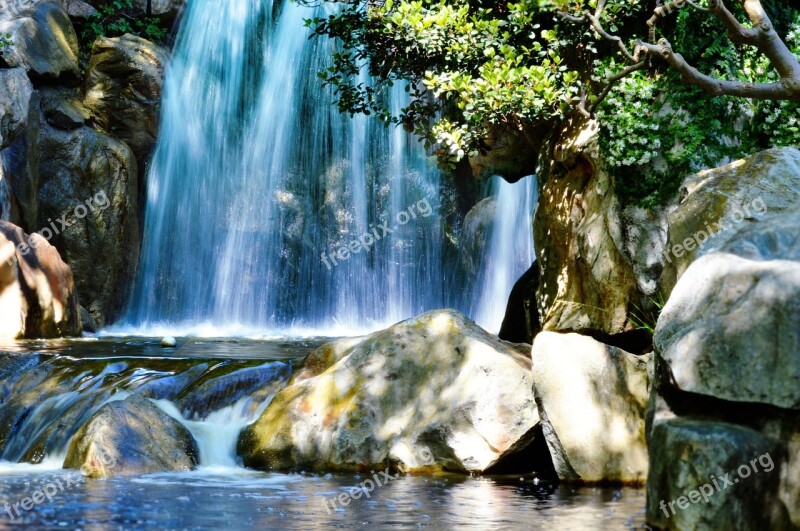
269 212
510 252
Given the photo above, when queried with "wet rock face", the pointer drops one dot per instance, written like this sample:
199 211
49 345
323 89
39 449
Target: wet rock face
434 392
15 95
592 400
37 292
122 90
86 198
131 437
44 42
727 372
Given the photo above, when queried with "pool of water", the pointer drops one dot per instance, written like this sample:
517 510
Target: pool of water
203 348
231 497
238 498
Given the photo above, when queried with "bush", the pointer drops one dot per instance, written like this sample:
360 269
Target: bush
115 18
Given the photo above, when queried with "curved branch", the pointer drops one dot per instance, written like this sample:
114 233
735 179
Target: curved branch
719 87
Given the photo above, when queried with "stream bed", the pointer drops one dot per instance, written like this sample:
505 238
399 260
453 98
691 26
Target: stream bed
63 382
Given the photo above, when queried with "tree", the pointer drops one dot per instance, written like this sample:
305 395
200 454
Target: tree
473 67
760 34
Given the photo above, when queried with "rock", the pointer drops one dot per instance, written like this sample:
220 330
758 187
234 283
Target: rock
521 322
44 43
217 391
168 10
79 9
737 312
727 347
87 322
688 461
511 153
433 392
15 96
131 437
37 292
599 262
718 202
88 181
168 342
592 400
122 90
476 235
64 113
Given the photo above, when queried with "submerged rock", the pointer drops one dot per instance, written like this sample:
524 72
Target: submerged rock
592 400
37 293
214 391
434 392
131 437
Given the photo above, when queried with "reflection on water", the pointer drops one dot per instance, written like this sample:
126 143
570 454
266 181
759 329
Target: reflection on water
235 498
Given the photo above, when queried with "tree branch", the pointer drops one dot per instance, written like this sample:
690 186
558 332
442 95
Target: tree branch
719 87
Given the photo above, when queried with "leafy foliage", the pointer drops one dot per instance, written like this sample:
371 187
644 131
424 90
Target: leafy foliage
5 41
117 17
473 65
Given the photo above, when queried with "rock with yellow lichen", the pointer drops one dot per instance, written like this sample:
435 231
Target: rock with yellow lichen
435 392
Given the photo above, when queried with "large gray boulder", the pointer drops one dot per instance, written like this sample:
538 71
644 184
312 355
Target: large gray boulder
713 475
727 373
719 202
15 96
434 392
736 312
89 181
592 400
43 42
131 437
37 292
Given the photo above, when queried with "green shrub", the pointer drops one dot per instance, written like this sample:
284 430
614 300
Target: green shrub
118 17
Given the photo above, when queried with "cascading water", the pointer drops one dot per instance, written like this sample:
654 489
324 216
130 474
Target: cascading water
51 397
258 181
510 251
